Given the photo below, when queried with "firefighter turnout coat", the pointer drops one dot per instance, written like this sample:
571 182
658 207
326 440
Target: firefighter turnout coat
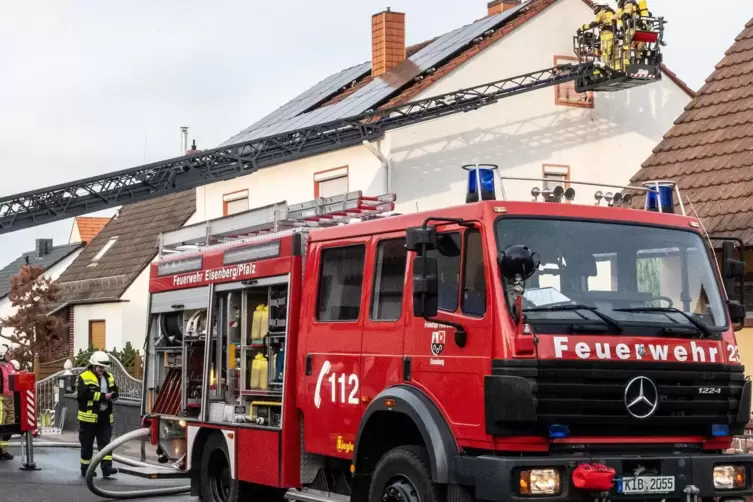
90 398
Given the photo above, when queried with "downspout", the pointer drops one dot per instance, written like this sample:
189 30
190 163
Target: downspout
386 163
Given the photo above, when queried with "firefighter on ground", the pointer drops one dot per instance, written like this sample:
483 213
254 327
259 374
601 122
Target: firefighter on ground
7 409
96 393
605 21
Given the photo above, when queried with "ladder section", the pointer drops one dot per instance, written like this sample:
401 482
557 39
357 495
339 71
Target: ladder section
277 218
89 195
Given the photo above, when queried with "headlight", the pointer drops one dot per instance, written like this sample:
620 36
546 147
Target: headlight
729 477
540 482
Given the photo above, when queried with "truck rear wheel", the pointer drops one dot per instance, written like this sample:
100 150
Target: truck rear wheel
402 475
217 483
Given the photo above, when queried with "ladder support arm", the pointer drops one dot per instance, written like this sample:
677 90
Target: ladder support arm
111 190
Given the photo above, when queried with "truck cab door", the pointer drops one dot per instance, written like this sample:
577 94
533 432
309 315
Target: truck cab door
334 295
384 323
437 362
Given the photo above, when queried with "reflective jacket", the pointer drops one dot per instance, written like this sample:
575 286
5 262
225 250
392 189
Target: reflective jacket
604 20
90 397
6 370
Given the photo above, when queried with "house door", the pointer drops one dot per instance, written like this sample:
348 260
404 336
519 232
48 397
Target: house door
98 335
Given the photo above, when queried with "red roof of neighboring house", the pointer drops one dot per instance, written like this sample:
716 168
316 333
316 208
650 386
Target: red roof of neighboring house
709 150
90 226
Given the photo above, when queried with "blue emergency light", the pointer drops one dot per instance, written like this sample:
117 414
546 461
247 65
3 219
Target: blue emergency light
558 431
480 175
719 430
660 197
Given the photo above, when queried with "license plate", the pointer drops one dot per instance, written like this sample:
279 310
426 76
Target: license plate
646 484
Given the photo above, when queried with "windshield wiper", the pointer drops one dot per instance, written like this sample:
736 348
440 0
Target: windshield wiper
671 310
576 306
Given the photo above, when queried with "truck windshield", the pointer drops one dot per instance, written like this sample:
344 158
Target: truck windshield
616 275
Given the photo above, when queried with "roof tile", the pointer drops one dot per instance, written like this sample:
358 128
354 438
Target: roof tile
136 229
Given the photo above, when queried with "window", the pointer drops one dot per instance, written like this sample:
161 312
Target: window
474 281
235 202
340 283
448 265
389 280
564 94
98 335
102 251
331 182
624 272
555 175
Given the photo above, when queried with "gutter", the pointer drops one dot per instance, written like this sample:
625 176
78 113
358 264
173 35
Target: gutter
386 163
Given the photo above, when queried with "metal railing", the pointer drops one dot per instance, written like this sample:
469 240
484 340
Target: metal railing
50 408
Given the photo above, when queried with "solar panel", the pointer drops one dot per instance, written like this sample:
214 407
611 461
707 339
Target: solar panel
320 92
384 86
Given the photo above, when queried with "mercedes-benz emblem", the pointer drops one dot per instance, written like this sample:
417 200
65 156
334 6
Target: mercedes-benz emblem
641 397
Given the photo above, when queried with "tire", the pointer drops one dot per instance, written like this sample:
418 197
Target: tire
403 475
216 480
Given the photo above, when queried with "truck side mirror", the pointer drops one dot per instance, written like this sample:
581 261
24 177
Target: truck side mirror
731 268
736 313
418 237
425 286
518 260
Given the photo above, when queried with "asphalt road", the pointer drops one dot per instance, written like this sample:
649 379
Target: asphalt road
59 480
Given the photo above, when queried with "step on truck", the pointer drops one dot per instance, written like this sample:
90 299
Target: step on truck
549 350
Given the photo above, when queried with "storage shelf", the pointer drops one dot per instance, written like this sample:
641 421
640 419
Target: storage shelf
261 393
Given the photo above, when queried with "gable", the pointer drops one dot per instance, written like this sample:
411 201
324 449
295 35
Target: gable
126 245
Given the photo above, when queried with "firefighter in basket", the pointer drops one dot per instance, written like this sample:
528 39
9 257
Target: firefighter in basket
604 20
96 393
629 18
7 409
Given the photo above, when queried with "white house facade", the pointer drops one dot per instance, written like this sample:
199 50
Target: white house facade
551 132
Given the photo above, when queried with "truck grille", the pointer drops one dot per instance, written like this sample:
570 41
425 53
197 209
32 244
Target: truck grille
589 397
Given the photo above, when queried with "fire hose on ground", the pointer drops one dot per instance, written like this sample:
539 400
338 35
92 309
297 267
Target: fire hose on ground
124 494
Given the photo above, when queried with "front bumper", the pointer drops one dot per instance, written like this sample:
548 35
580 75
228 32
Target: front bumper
496 478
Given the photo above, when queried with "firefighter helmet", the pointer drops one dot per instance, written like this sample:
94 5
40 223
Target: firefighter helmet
599 6
100 358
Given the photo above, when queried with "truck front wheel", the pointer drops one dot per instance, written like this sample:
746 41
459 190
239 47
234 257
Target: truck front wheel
217 484
402 475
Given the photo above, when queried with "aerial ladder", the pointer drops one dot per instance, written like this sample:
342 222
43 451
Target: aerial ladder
106 191
47 205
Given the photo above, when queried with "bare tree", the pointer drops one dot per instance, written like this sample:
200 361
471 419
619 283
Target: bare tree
32 294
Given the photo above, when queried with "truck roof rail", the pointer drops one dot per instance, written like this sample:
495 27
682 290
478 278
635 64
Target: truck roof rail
276 218
660 194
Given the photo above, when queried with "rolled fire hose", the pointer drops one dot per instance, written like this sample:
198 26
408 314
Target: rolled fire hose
124 494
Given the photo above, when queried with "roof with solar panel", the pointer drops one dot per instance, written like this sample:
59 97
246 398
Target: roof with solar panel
424 64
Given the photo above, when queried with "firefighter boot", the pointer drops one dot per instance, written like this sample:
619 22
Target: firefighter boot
4 455
84 469
109 471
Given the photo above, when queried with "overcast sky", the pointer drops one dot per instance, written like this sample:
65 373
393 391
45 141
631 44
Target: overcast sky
89 87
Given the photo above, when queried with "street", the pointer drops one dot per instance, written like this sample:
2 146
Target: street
59 480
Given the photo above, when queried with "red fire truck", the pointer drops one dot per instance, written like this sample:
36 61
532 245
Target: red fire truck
496 350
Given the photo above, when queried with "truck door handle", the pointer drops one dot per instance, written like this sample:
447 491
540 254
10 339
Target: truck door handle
308 365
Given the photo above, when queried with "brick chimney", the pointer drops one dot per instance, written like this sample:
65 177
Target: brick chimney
387 41
499 6
43 248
